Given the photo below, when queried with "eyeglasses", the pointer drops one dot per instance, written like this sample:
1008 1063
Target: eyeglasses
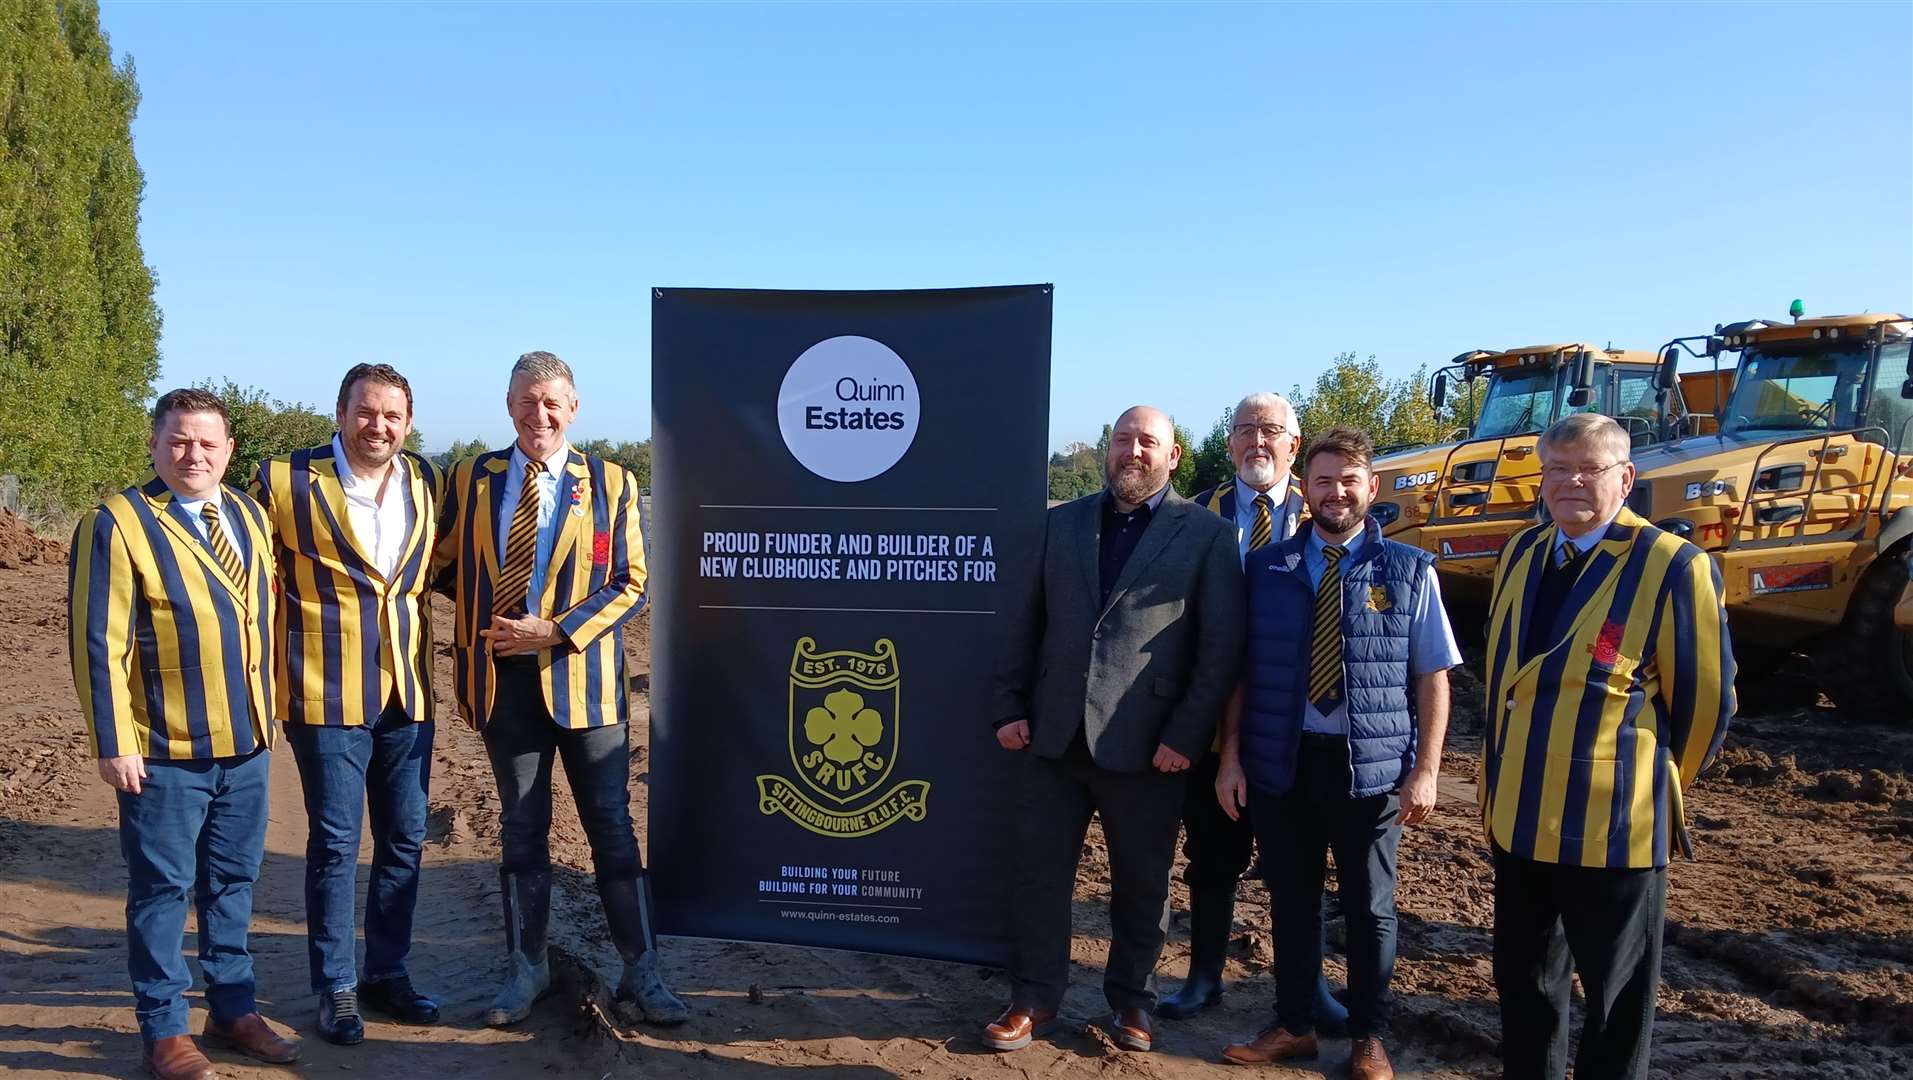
1247 432
1587 474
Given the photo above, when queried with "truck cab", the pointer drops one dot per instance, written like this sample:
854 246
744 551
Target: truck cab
1461 500
1802 497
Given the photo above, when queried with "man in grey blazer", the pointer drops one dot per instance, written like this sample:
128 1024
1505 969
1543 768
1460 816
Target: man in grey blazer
1127 645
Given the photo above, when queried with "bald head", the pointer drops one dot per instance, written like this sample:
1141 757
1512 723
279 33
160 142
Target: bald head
1142 454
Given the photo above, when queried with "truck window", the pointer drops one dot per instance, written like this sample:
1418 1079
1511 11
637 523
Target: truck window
1885 407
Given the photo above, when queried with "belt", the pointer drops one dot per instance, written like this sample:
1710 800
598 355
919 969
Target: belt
1315 740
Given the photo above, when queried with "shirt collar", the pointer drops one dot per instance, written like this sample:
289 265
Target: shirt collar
1350 546
1245 492
554 464
344 464
1587 540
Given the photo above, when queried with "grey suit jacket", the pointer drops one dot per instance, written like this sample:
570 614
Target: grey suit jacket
1155 665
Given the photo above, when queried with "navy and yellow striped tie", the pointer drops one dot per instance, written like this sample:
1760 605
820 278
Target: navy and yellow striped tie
221 547
1325 658
521 548
1564 554
1264 530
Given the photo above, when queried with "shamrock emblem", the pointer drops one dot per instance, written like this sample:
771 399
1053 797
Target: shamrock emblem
843 727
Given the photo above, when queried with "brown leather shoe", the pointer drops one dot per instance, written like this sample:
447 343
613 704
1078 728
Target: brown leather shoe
177 1058
1131 1029
252 1036
1368 1061
1275 1043
1017 1026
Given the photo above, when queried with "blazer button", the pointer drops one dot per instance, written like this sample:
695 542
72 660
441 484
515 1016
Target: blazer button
1511 705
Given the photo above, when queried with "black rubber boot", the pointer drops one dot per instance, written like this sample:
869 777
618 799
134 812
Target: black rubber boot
527 899
1211 916
627 910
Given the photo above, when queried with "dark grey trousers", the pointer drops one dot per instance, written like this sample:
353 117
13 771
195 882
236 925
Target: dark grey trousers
1551 921
1141 813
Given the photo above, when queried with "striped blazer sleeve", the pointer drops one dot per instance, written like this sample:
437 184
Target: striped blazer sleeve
100 613
1697 658
607 608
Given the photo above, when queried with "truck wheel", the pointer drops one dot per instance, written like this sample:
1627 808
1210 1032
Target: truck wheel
1866 666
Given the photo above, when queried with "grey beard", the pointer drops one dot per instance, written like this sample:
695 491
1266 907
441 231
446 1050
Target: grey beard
1259 474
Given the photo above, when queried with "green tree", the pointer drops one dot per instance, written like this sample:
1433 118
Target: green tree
461 449
1074 471
1212 457
264 426
1355 393
635 456
79 332
1184 478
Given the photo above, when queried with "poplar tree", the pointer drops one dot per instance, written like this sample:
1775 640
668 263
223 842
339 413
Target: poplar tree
79 332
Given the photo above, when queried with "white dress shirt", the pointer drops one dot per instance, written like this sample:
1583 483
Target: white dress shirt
379 517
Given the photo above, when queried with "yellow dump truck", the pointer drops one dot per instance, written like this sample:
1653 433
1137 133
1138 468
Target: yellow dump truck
1460 501
1803 497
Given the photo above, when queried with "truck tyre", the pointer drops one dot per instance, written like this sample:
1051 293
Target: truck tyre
1866 666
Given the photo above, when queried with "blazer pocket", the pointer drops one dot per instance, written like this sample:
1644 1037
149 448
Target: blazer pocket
1168 688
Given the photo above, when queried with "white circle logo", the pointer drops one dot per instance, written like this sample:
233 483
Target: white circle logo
848 408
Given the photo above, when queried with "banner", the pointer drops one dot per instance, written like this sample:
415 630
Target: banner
840 482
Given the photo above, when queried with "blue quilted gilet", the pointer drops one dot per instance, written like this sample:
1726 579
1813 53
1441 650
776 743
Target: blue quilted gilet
1381 586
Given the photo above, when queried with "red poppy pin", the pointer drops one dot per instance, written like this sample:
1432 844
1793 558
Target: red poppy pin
1607 648
601 548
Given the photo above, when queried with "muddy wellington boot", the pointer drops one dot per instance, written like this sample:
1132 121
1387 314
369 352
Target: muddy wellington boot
627 909
527 916
1211 915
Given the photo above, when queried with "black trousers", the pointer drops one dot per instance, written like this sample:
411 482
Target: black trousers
1551 921
1218 848
521 739
1297 831
1141 812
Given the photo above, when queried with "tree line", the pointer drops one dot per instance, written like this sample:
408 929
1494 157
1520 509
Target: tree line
1353 392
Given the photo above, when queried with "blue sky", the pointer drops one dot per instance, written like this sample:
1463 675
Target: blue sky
1225 196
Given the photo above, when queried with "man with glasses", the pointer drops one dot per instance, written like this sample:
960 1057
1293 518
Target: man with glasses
1265 502
1609 687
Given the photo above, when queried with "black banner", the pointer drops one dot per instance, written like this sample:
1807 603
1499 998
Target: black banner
841 482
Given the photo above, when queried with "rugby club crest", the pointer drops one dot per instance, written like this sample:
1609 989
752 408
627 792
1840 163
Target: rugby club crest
844 735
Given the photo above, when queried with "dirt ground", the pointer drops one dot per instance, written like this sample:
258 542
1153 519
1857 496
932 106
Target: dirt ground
1789 942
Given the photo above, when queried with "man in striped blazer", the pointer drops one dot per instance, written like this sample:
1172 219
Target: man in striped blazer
1265 502
547 557
1610 683
170 612
352 524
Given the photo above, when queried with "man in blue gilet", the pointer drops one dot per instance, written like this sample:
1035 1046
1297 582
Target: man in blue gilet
1333 741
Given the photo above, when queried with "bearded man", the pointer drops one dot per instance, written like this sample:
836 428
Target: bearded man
1127 644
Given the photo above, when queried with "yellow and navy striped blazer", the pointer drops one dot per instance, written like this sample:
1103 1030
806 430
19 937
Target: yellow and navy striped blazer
593 586
172 658
348 639
1592 739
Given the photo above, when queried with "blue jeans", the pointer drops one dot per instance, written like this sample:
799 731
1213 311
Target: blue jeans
198 825
521 740
388 766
